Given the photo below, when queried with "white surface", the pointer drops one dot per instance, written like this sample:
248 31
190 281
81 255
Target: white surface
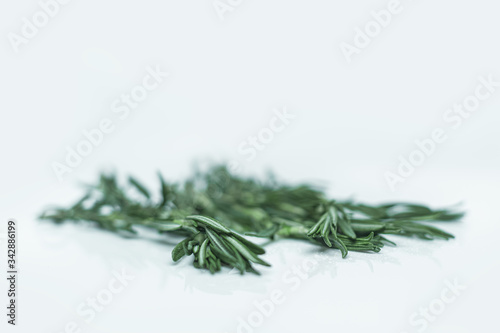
352 122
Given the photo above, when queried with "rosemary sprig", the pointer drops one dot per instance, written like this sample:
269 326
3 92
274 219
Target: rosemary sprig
213 244
212 209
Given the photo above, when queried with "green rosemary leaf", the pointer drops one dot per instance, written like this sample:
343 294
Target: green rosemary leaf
219 245
163 226
346 228
224 257
245 252
363 227
251 246
316 227
341 246
139 187
332 214
266 233
165 191
385 240
369 211
179 250
203 253
449 216
326 229
210 222
240 264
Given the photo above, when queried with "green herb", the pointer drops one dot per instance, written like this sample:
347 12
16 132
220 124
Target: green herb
212 211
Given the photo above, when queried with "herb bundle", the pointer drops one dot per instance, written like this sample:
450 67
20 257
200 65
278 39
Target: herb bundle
213 209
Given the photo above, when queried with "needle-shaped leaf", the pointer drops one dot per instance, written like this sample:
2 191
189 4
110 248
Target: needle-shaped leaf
139 187
218 243
165 191
179 250
251 246
245 252
266 233
210 222
203 253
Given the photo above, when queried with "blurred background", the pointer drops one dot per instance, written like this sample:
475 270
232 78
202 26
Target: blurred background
325 92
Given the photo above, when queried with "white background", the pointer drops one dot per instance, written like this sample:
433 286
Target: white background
353 121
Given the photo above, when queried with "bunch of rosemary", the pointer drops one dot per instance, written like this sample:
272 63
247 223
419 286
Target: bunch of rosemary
212 209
